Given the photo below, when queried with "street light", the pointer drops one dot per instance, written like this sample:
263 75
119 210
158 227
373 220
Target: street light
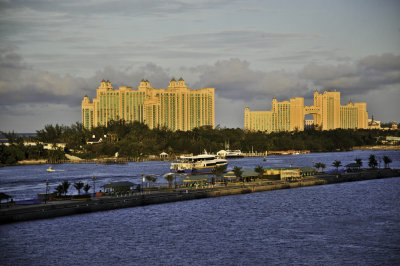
47 191
142 184
94 185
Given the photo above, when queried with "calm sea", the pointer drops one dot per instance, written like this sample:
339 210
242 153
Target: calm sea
340 224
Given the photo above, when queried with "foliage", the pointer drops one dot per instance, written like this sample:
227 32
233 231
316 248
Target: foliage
218 171
135 140
238 172
387 161
358 162
169 178
337 164
78 186
86 188
65 185
259 170
372 162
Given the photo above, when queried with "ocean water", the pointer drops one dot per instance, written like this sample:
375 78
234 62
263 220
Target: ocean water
25 182
356 223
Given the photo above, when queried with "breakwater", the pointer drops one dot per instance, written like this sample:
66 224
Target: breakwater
62 208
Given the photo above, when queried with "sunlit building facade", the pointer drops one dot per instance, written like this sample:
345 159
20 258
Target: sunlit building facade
289 115
176 107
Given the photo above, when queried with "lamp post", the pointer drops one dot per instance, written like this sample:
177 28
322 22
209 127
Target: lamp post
47 191
142 189
94 185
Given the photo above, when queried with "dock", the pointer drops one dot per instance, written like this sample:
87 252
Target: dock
53 209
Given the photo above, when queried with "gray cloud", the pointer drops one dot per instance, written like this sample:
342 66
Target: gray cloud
22 88
368 74
234 79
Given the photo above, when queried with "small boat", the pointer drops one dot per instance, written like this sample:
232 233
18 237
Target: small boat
198 164
50 169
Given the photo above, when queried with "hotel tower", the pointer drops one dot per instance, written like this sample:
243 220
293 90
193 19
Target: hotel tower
289 115
175 107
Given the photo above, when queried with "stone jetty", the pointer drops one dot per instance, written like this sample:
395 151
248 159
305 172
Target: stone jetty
53 209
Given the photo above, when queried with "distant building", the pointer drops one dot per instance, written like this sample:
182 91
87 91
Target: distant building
289 115
175 107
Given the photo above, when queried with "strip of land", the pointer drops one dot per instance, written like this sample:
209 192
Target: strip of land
51 209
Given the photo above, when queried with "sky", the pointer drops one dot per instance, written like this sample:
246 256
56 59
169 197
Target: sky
52 53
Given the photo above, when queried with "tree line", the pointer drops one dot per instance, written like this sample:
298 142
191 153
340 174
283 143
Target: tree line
134 139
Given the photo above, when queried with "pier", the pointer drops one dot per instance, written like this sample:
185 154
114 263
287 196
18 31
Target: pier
71 207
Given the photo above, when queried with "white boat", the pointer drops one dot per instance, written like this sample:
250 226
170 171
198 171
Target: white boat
198 164
229 154
50 169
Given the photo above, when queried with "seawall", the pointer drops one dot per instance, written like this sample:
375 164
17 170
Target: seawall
62 208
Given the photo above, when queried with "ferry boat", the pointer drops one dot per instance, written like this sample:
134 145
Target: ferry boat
228 154
198 164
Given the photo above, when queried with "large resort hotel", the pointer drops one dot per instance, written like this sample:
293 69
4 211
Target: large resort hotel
290 115
175 107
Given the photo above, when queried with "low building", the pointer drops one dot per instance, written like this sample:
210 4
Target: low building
122 186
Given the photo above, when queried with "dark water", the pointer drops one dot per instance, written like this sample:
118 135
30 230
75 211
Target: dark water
25 182
340 224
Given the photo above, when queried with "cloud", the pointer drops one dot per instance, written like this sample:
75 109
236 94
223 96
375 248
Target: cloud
234 79
25 90
368 74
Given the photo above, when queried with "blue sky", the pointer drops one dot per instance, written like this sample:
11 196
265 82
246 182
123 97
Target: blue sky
52 53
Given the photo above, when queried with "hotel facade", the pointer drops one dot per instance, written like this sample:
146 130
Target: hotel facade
289 115
175 107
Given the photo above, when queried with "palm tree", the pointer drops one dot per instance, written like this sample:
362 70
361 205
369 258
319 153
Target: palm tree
218 171
78 186
260 171
372 161
169 178
386 161
149 179
359 163
238 172
154 179
86 188
65 184
318 166
337 164
59 190
323 166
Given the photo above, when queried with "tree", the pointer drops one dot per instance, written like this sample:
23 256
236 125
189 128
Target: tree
372 162
386 161
238 172
359 163
318 166
149 179
337 164
323 166
218 171
59 190
65 184
260 171
86 188
78 186
169 178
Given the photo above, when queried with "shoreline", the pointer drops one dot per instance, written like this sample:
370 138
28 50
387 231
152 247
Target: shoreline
71 207
124 160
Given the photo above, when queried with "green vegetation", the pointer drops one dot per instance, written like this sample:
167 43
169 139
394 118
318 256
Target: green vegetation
86 188
136 141
78 186
169 178
372 162
387 161
337 164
